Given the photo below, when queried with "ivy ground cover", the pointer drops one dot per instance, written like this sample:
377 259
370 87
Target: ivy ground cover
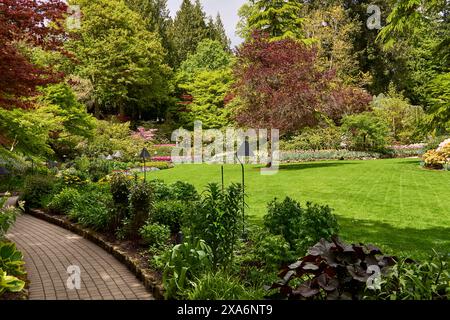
393 203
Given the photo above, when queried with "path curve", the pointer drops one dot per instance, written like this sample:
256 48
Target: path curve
49 250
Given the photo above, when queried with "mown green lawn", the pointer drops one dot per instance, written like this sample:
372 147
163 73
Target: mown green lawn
393 203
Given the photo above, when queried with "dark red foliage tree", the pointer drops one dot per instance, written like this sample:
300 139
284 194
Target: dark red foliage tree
282 87
37 23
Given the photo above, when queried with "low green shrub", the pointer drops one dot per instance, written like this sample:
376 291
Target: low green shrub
182 264
409 280
37 190
72 177
155 235
98 169
316 222
140 205
217 219
169 213
301 227
7 218
64 201
365 132
314 139
284 218
218 286
93 207
120 186
161 191
273 250
184 191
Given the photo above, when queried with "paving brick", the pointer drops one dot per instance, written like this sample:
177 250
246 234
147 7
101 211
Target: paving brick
49 250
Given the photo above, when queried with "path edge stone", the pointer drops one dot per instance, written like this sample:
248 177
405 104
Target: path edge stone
150 283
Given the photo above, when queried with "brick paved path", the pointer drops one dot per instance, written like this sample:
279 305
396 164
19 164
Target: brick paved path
49 250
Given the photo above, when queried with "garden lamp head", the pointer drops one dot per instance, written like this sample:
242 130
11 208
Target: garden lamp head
145 154
244 150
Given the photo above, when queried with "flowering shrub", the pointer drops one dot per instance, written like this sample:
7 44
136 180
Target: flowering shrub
436 159
147 135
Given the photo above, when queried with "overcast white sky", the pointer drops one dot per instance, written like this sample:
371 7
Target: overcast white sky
228 10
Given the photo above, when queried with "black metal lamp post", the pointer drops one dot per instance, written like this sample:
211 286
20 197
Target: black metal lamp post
243 151
145 155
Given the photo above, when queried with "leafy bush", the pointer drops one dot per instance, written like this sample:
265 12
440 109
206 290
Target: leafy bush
11 259
273 251
409 280
301 227
155 235
218 286
120 186
316 222
161 191
140 204
64 201
72 177
111 137
98 168
169 213
216 219
7 218
314 139
37 188
93 207
176 191
183 263
284 218
365 132
405 121
184 191
333 271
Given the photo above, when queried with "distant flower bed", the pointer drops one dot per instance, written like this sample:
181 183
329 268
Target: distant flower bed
416 146
162 159
302 155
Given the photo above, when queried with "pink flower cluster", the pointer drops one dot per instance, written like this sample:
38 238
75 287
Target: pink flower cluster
142 133
162 158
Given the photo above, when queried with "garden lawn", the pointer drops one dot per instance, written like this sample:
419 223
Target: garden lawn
393 203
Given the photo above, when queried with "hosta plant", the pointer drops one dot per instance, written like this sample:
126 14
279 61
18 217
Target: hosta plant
10 283
334 271
11 260
183 263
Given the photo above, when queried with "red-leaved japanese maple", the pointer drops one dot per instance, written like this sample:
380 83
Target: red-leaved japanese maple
281 86
36 23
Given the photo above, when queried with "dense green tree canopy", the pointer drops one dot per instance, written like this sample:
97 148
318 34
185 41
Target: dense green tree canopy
122 59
